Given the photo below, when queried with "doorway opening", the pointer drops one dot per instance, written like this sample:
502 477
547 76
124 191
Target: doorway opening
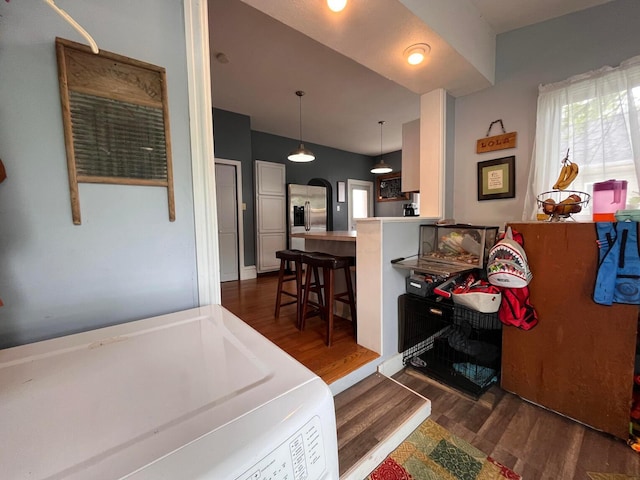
360 203
229 210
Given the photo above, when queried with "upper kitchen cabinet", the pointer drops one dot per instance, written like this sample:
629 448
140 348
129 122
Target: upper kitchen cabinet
411 156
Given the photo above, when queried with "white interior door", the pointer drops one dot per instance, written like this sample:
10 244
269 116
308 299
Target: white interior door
227 208
360 204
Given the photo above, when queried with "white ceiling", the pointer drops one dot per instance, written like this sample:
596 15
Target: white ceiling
350 64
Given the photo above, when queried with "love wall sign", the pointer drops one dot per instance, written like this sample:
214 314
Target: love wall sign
497 142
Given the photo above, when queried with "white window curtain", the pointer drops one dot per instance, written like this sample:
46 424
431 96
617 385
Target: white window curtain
594 116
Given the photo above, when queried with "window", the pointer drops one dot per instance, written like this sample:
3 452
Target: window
594 116
360 200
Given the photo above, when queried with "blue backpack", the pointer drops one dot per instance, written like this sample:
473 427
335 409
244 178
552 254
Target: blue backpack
618 278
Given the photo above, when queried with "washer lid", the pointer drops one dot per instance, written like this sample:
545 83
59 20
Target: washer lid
108 401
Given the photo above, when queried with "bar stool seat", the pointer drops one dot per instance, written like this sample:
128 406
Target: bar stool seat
329 264
295 256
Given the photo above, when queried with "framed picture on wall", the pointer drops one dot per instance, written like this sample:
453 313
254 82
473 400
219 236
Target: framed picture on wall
388 187
497 178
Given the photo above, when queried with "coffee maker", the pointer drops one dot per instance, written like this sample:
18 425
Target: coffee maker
409 210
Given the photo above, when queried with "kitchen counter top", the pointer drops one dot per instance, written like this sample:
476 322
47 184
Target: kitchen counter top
336 236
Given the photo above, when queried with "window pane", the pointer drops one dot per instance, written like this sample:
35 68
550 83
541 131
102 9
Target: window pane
360 203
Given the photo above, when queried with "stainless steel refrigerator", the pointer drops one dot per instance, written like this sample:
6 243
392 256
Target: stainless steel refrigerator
306 210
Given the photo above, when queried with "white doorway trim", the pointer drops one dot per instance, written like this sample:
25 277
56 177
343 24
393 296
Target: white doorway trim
365 185
196 25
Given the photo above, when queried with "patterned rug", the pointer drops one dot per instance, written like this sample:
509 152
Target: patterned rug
433 453
611 476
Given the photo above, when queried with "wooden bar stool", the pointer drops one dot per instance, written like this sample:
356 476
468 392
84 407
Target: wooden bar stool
329 264
285 256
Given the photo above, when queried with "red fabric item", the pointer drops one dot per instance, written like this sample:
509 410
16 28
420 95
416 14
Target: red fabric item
516 309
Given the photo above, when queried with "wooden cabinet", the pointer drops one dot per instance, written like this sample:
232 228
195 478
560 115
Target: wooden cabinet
271 226
579 360
411 156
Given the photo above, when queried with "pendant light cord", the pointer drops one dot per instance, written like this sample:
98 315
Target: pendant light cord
300 93
381 122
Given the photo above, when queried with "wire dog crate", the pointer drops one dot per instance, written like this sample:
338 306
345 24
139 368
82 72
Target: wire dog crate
451 343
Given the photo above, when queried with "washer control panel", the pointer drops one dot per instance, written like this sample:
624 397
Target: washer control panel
300 457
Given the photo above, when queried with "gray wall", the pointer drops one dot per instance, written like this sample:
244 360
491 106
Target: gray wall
232 141
542 53
126 261
393 208
330 164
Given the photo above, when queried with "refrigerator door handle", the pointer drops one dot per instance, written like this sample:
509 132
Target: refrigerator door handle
307 215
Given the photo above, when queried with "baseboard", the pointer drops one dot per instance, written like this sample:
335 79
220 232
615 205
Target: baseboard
249 272
391 366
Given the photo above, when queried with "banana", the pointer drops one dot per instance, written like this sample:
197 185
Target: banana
564 173
568 174
570 177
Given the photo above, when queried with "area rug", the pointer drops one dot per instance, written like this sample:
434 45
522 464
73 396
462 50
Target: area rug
611 476
433 453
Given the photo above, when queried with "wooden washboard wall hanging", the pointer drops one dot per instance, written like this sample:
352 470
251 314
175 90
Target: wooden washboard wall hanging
116 121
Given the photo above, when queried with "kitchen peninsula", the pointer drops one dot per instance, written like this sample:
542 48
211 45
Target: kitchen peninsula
342 243
336 243
380 240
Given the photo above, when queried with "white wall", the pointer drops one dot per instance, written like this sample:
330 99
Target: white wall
542 53
126 261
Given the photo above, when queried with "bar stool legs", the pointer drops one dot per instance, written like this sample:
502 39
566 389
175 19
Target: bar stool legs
294 256
349 298
329 264
311 285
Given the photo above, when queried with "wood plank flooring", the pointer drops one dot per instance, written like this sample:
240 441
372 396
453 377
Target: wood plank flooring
534 442
254 302
368 414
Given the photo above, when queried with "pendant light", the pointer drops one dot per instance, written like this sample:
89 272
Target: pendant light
381 167
301 154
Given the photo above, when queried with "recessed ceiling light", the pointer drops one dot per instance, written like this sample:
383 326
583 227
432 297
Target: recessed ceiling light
336 5
415 54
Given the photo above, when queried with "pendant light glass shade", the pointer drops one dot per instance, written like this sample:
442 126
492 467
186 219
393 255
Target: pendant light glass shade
381 167
301 154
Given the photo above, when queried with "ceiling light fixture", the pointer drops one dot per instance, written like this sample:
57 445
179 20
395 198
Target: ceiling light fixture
381 167
336 5
301 154
415 54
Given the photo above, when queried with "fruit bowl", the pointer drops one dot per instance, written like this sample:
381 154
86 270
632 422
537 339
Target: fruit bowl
561 204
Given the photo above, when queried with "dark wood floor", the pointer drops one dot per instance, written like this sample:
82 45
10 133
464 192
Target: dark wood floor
534 442
254 302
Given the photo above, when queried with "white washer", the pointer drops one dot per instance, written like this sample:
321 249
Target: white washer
196 394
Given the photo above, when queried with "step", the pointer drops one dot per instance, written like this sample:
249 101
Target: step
373 417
